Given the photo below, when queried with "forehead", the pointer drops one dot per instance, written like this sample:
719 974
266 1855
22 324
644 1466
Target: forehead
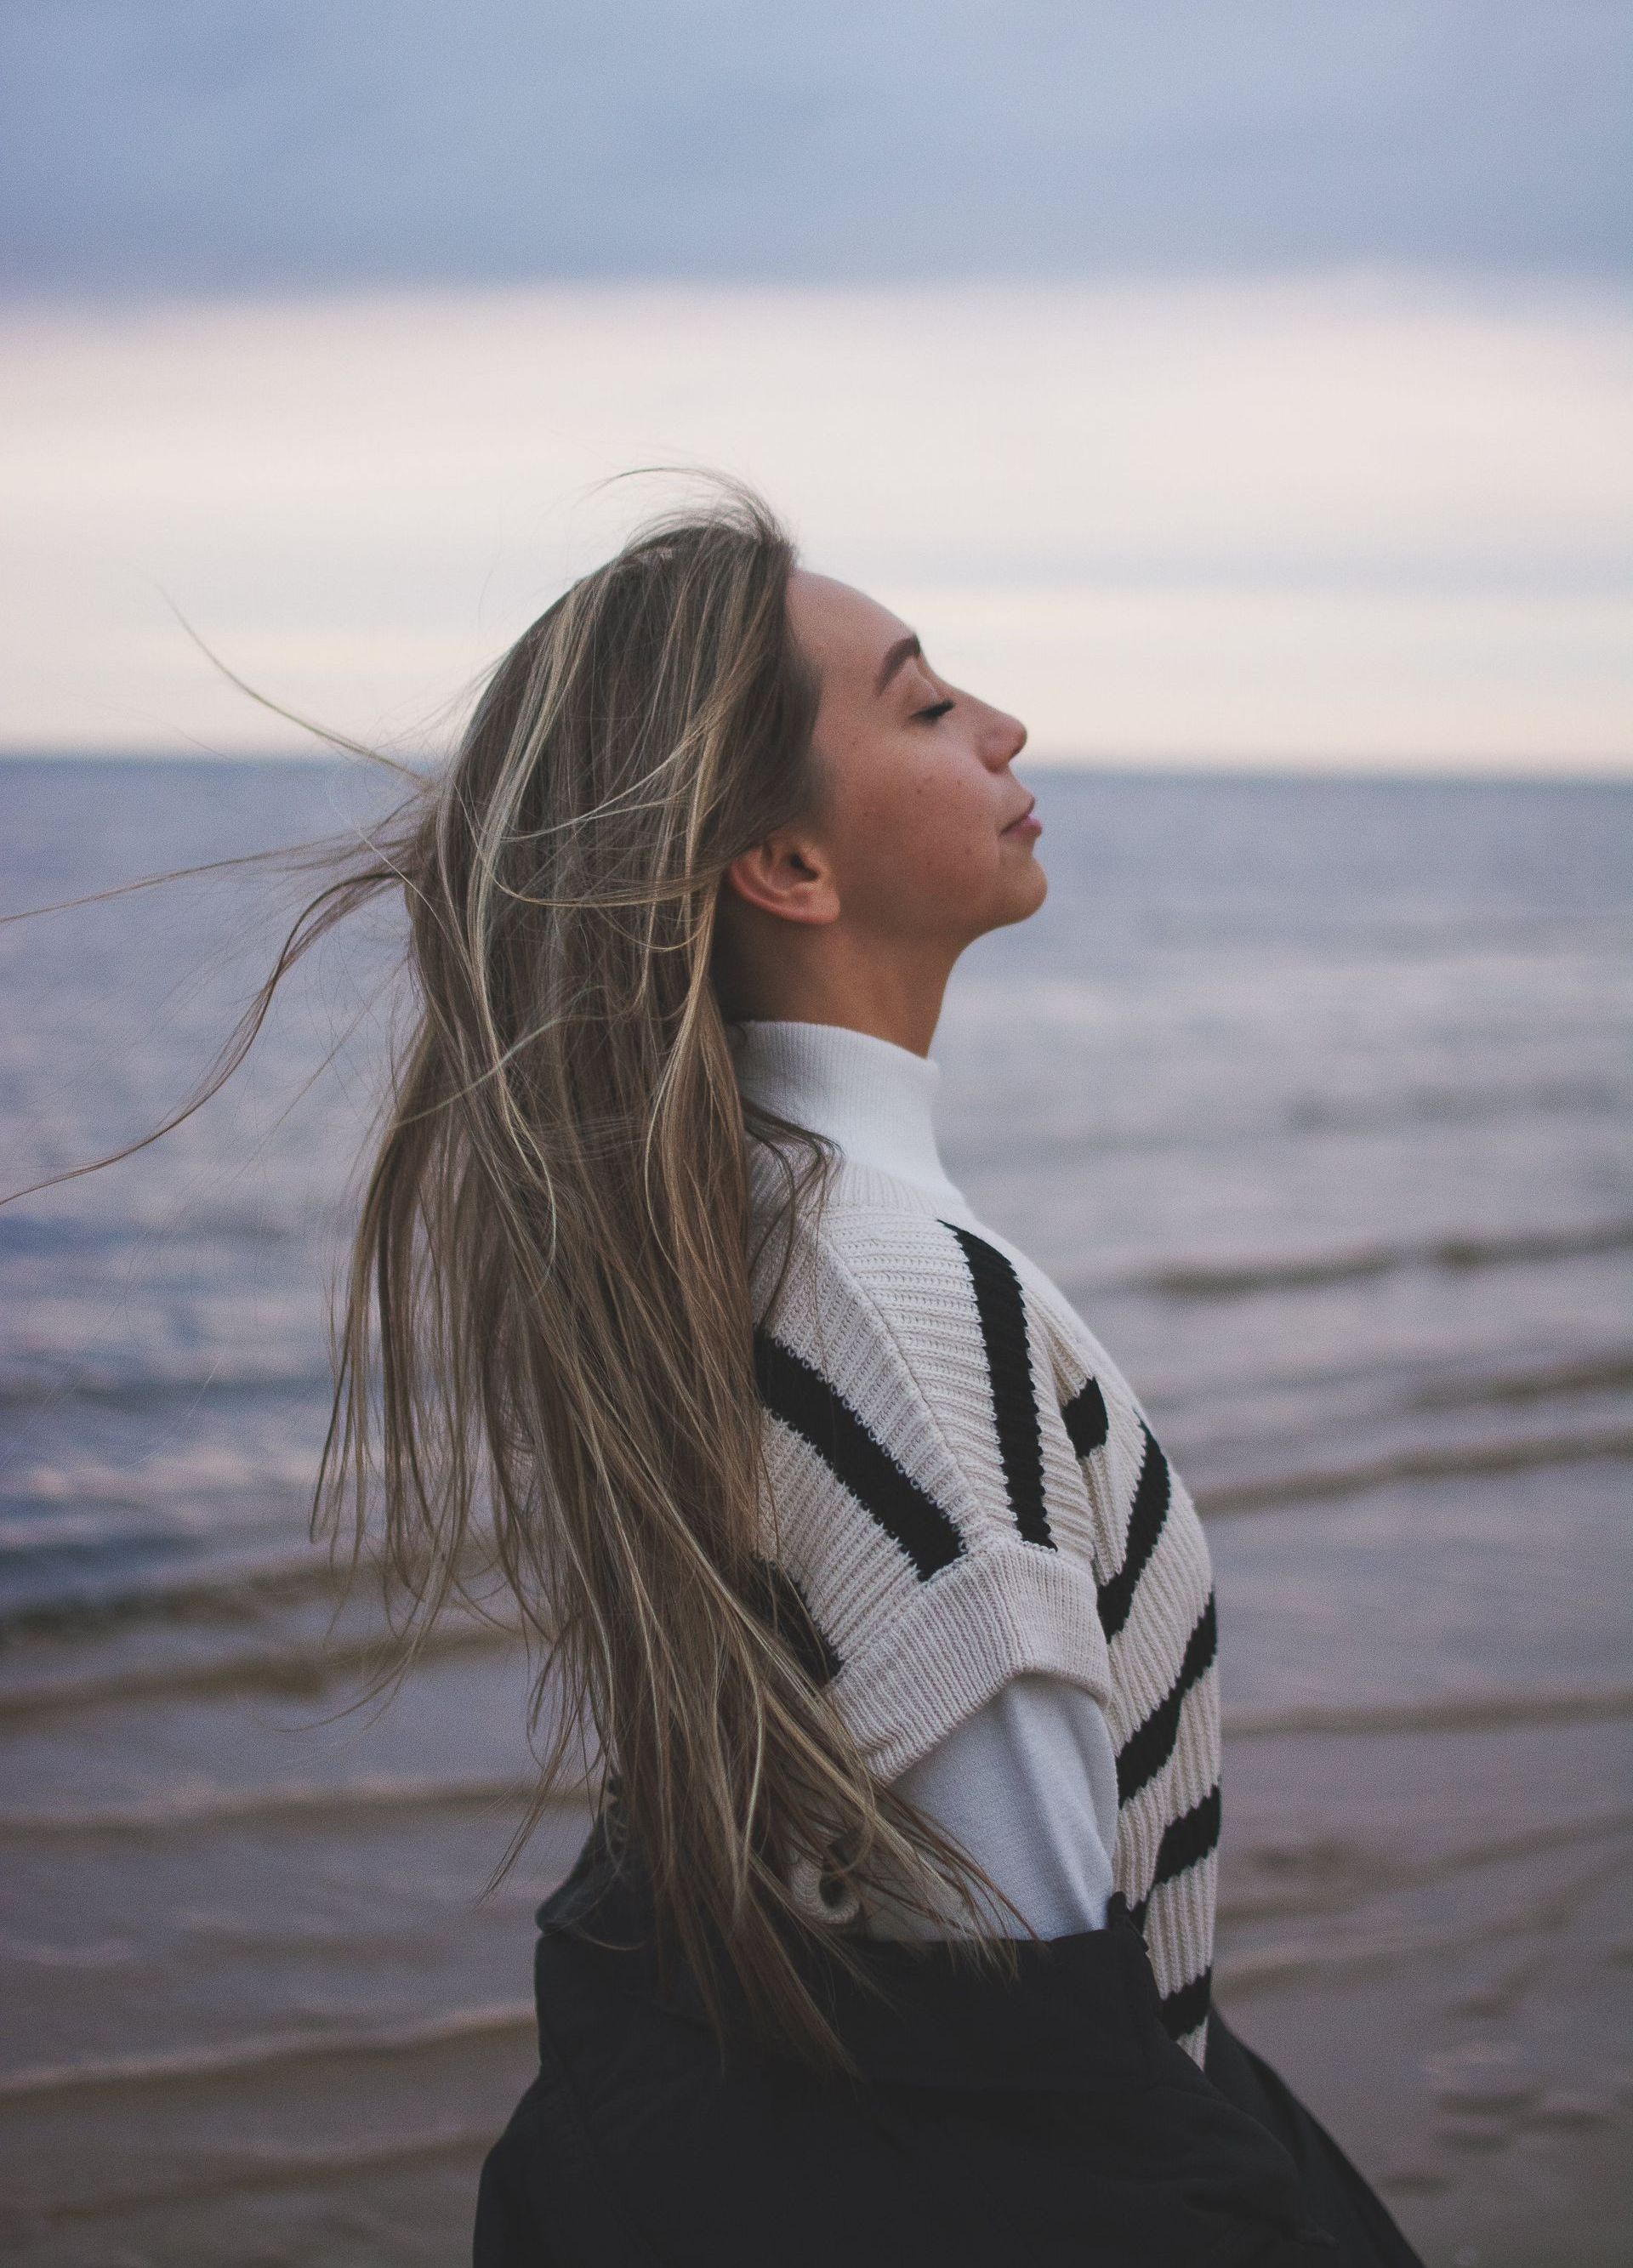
845 632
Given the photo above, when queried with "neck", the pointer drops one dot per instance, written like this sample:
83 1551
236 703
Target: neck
827 975
876 1100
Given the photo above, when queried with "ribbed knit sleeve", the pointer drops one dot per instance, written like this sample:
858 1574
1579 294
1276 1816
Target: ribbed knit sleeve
927 1498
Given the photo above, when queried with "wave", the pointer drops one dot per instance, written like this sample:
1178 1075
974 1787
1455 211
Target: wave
93 1953
1605 1374
1237 1975
244 1590
159 1390
1339 1877
268 2166
1451 1713
29 1236
1346 1113
1227 1279
307 1670
1462 1460
1233 1125
1265 1968
304 1802
149 2067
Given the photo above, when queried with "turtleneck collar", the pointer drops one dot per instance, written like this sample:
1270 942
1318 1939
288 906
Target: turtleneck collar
876 1101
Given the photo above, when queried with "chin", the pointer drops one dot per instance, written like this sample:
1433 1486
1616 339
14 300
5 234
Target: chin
1022 899
1036 887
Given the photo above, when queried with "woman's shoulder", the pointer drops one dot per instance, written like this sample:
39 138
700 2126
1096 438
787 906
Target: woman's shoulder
984 1346
924 1263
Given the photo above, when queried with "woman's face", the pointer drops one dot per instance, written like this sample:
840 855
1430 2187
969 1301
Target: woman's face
919 826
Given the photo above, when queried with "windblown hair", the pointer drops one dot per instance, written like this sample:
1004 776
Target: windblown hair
545 1358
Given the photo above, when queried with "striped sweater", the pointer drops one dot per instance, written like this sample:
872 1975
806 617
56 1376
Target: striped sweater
962 1488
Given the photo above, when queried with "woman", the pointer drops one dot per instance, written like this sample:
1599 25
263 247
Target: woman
836 1528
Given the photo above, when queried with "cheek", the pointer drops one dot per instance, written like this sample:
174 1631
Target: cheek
921 827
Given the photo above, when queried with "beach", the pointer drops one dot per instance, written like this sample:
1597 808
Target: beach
1312 1095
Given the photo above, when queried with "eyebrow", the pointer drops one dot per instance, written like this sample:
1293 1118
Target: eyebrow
904 649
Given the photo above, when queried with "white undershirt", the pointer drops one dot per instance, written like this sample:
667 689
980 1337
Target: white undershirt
1027 1785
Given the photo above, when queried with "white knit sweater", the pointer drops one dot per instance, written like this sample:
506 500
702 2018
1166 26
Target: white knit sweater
966 1500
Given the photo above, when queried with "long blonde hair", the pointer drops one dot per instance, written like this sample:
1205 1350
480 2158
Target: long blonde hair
545 1351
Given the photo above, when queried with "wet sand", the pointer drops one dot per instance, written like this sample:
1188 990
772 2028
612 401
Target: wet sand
259 2012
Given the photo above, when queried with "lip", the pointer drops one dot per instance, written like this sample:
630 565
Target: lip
1025 824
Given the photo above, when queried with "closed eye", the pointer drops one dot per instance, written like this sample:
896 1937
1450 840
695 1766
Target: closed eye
930 716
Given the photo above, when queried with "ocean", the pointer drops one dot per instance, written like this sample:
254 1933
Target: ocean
1313 1095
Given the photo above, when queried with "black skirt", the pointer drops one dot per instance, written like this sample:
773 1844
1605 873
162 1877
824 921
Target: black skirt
1047 2120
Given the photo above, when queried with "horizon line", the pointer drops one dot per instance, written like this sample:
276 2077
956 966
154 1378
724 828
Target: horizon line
1611 770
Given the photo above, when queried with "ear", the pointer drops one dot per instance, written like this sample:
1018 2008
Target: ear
788 876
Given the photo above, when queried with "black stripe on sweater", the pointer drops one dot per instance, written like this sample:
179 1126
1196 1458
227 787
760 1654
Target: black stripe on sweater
1085 1418
794 1390
1147 1749
1184 2010
1186 1843
1145 1527
1002 1306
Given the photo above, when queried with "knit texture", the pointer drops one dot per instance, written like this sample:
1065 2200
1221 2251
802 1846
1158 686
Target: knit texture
960 1488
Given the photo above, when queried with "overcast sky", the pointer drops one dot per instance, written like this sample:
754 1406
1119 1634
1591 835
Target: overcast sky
235 144
1223 381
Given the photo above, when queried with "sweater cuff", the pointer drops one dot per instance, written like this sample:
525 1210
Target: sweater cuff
992 1616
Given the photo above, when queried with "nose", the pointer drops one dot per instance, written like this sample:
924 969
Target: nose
1009 736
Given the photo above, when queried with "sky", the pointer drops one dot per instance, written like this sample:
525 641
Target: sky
1228 385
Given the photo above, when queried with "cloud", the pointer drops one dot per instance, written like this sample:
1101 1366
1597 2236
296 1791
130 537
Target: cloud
1360 518
1524 683
182 145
